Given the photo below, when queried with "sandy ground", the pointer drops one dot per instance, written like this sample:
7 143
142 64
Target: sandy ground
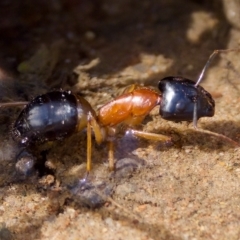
188 189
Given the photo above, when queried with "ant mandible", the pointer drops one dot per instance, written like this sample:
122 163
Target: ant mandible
58 114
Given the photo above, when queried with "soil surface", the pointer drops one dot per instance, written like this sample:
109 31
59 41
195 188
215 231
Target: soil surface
184 189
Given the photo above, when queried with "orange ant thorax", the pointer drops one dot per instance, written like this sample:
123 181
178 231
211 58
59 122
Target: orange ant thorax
130 108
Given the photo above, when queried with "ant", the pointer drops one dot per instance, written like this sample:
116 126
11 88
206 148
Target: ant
58 114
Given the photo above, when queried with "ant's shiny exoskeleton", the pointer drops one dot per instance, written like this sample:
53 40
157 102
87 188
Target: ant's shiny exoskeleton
58 114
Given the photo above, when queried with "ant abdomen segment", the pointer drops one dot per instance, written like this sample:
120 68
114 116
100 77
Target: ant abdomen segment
51 116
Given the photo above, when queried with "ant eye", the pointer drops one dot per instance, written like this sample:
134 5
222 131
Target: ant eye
180 106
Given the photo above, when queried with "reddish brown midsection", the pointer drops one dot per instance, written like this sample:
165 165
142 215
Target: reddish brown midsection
129 108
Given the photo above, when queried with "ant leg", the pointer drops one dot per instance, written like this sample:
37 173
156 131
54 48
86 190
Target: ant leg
129 88
89 148
215 52
99 135
150 136
111 155
219 135
99 131
13 104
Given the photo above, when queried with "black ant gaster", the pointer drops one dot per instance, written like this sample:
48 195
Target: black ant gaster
58 114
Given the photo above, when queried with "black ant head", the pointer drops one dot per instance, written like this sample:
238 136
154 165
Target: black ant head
179 98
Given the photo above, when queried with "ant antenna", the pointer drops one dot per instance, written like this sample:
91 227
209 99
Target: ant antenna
195 119
219 135
215 52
